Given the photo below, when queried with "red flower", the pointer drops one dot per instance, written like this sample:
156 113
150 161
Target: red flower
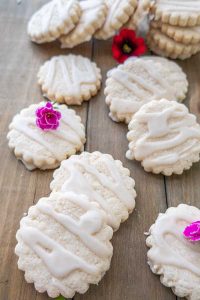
127 44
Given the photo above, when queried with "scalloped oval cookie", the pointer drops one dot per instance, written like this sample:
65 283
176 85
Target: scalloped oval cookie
185 35
118 14
92 18
45 149
64 245
171 256
53 19
69 79
177 12
157 40
102 179
138 81
165 137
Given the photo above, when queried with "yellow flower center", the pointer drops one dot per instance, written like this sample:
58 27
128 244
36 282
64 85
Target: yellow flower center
127 49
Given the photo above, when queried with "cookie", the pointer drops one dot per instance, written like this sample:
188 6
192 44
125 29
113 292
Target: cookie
177 12
165 137
92 18
138 81
118 14
155 48
156 39
139 20
53 19
174 258
42 136
185 35
64 244
69 79
102 179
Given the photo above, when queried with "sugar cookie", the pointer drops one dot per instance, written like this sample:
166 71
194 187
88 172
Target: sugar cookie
41 143
139 20
155 48
64 244
177 12
185 35
165 137
53 19
69 79
171 255
138 81
119 12
102 179
92 18
172 48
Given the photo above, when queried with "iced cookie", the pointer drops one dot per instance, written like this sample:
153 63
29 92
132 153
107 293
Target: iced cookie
174 250
118 14
139 20
53 19
92 18
185 35
69 79
64 244
155 48
42 135
102 179
177 12
138 81
169 46
165 137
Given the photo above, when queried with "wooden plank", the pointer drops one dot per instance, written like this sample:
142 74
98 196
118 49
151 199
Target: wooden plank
129 276
19 63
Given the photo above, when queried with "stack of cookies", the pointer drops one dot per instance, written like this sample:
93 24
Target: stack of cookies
175 29
64 240
74 22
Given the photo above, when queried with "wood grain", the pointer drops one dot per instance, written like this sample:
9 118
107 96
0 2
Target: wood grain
129 277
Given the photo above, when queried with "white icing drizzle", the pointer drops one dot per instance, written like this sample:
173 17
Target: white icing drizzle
177 133
90 10
162 252
87 25
89 223
140 20
130 80
61 7
59 261
113 7
180 6
116 10
116 184
76 71
138 85
69 130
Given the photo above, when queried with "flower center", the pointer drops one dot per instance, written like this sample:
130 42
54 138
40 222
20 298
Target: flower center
49 115
127 49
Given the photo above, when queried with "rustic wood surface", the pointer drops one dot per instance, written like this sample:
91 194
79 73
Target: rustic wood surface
129 277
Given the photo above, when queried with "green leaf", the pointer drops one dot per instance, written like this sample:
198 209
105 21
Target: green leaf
61 298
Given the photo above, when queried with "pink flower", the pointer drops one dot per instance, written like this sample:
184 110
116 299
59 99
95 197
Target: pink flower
192 232
47 118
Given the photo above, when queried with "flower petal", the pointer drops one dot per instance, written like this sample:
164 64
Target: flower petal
49 105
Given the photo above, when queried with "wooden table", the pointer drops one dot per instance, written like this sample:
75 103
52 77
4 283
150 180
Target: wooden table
129 277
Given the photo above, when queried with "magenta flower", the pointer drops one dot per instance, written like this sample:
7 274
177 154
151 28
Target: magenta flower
192 232
47 118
